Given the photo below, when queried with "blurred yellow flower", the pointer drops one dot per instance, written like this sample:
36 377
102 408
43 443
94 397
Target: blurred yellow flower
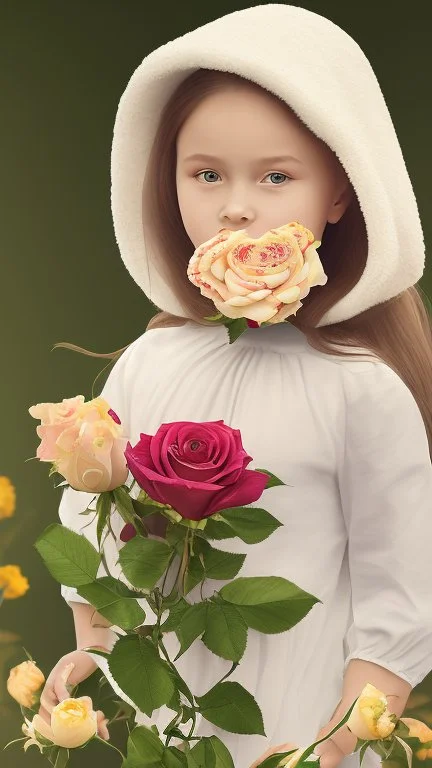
423 754
7 497
12 582
418 729
23 682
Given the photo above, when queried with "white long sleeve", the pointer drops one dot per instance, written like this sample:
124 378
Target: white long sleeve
73 502
386 492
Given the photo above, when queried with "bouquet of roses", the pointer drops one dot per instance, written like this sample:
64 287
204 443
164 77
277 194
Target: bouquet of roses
194 475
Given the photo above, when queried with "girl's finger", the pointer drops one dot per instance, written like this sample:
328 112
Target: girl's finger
60 681
103 731
48 700
60 690
44 714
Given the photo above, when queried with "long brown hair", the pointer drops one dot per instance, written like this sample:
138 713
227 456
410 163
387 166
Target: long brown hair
398 331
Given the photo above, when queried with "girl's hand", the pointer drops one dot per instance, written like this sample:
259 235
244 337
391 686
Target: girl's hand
271 750
329 753
338 746
72 669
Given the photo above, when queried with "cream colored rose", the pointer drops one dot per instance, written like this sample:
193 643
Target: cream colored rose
73 723
262 279
83 441
370 718
24 681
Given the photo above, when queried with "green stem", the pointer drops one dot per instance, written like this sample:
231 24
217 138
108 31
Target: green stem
181 576
165 653
166 572
103 558
116 719
235 664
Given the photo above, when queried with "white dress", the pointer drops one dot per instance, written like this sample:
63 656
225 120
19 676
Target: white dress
347 438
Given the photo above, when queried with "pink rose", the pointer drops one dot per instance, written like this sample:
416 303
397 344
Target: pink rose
198 468
83 441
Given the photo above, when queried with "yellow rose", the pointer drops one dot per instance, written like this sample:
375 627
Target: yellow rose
7 497
418 729
12 582
73 723
261 279
84 443
23 682
370 718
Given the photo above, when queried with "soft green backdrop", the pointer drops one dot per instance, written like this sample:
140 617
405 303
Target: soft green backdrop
63 69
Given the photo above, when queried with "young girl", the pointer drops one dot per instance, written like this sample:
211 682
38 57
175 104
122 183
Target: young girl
269 115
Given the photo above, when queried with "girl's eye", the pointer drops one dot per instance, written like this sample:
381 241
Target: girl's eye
278 173
199 174
274 173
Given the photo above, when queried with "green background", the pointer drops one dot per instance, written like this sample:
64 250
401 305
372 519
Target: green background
63 68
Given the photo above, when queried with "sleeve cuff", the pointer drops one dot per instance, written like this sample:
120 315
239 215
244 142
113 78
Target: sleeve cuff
354 655
71 595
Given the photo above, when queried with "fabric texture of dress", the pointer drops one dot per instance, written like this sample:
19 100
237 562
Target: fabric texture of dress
356 514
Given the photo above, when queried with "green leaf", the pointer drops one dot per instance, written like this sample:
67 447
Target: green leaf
235 328
70 558
178 681
144 749
269 604
194 573
251 524
187 714
192 625
175 534
144 561
231 707
97 651
145 509
115 601
217 563
226 631
123 503
173 757
136 666
176 613
272 479
103 508
217 529
210 752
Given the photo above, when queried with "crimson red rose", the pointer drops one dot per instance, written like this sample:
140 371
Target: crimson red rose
127 532
198 468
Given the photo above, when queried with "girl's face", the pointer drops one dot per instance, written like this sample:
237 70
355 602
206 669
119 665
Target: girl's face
263 168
